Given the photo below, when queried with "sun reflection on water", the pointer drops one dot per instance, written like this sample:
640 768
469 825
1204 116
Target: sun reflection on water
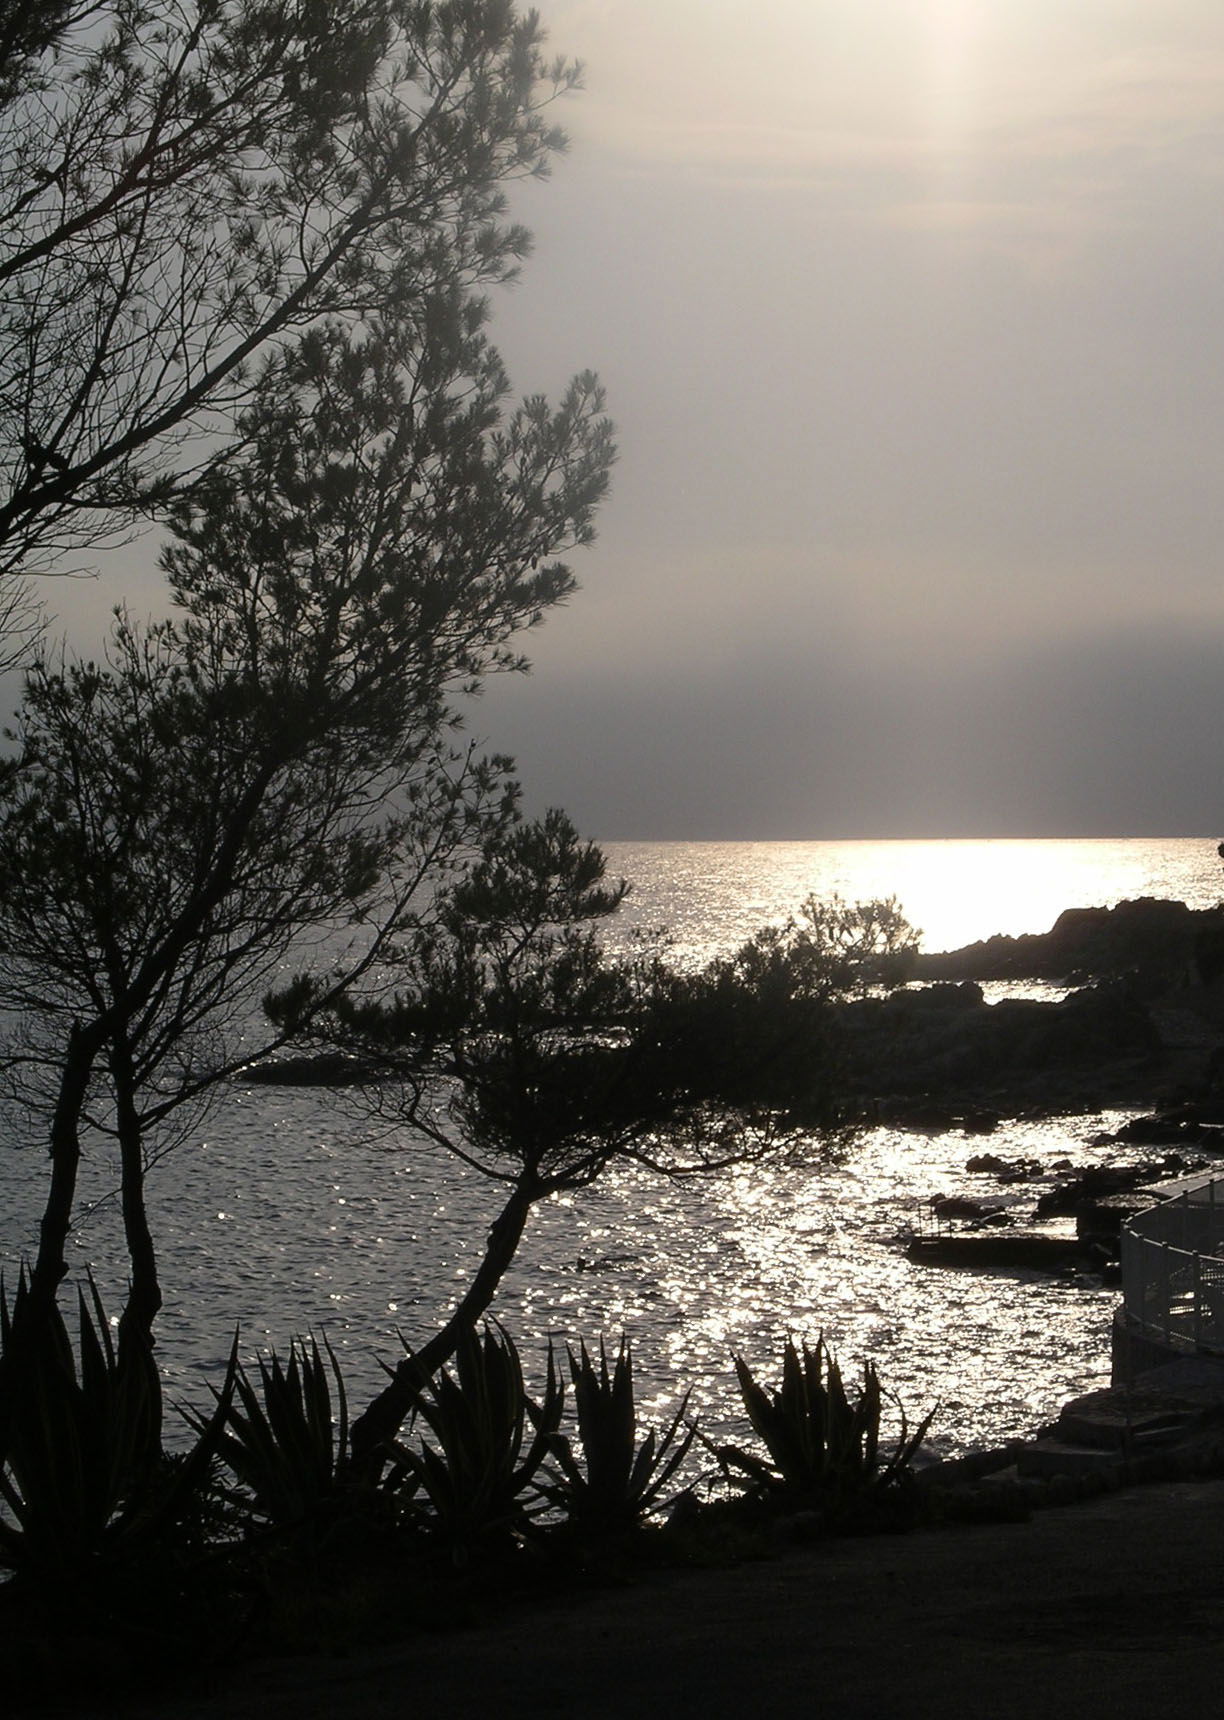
780 1251
712 895
694 1273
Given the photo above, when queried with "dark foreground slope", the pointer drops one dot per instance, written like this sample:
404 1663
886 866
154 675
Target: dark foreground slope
1113 1608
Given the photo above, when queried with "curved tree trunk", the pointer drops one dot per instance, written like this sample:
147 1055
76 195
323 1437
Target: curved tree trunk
381 1420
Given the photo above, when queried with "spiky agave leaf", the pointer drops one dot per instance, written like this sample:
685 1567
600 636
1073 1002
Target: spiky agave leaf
619 1481
477 1479
279 1436
899 1464
822 1444
81 1475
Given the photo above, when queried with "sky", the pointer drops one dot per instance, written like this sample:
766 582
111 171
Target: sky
909 313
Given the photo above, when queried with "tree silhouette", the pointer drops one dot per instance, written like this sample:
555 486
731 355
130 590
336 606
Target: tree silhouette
186 186
507 1034
278 759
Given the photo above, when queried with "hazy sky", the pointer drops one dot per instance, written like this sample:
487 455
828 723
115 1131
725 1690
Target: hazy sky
910 317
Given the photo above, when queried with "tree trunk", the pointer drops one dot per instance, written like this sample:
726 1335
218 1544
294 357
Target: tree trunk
144 1292
51 1266
381 1420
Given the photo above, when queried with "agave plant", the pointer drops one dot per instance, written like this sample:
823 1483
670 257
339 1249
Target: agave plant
618 1481
280 1437
82 1483
474 1481
823 1445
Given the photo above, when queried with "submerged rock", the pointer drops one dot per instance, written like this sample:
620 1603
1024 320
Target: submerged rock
324 1069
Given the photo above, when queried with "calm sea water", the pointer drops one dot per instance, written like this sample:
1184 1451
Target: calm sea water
280 1212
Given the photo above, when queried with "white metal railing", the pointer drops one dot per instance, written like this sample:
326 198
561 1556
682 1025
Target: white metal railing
1173 1269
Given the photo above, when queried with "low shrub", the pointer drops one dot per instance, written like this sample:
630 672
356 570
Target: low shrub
84 1488
281 1440
475 1481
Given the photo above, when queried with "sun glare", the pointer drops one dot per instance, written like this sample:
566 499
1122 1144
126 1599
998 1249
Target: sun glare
949 101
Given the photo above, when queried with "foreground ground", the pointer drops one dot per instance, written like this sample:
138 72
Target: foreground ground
1109 1608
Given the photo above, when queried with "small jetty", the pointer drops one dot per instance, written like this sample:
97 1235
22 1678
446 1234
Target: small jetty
1000 1250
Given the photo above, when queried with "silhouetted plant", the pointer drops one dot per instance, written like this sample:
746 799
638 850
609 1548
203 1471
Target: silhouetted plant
856 946
617 1482
823 1445
83 1486
280 1437
475 1481
366 528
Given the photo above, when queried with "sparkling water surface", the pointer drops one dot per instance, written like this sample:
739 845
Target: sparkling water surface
711 895
281 1212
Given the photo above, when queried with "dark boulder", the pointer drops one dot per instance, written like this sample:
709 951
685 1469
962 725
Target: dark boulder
1104 1182
953 1206
1006 1170
325 1069
1105 1216
1178 1126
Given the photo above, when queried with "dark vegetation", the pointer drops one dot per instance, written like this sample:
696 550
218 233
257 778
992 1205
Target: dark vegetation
131 1568
243 251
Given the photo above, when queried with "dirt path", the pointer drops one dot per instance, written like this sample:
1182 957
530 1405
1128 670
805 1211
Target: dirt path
1113 1608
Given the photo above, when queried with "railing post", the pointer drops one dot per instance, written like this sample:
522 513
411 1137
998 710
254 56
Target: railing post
1151 1260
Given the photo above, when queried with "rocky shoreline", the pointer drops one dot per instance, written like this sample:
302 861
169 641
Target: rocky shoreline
1159 943
1134 1017
1074 1223
868 1619
1167 1424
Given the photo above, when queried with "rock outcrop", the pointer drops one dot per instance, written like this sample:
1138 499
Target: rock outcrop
941 1056
1161 944
1143 1022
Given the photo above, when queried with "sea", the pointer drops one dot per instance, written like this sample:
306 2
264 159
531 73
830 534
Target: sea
282 1211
